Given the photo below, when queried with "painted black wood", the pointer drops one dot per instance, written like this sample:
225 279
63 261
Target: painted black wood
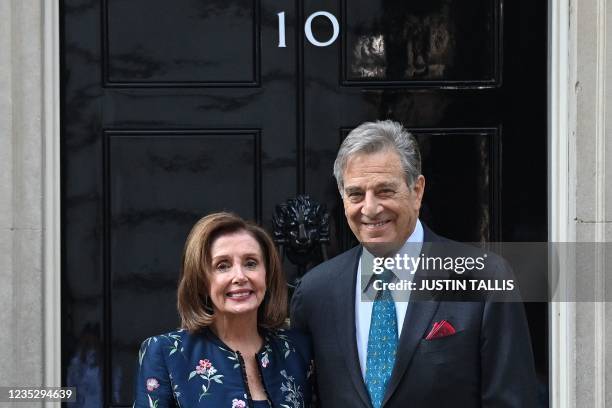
171 110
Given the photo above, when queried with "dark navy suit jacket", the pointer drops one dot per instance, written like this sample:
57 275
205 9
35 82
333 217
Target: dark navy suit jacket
488 362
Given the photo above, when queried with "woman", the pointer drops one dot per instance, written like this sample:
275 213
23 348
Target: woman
231 351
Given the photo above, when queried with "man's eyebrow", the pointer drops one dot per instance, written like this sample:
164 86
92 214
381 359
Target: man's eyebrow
383 185
352 189
387 185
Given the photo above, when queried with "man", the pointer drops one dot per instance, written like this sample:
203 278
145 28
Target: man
391 352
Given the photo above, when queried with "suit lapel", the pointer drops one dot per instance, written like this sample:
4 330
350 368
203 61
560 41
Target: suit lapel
345 318
418 319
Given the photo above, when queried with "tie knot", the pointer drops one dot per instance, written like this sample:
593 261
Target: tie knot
386 276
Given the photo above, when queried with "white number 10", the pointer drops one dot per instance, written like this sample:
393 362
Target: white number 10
308 29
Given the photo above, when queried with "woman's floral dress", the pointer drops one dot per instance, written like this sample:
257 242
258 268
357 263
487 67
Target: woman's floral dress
179 369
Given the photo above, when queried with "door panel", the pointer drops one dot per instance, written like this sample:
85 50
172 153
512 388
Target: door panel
440 42
215 43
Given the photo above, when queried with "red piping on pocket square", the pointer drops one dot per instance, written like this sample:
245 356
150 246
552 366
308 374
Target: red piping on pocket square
441 329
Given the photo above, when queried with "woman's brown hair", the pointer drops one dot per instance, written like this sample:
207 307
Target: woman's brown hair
194 305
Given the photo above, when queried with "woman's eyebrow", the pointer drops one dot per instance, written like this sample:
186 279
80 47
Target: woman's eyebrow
225 256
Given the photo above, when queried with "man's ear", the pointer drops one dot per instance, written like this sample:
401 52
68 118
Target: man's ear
419 190
343 202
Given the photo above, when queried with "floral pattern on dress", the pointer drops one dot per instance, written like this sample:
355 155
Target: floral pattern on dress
231 355
152 384
265 361
143 349
286 342
265 355
153 403
175 339
175 342
175 390
236 403
292 392
208 373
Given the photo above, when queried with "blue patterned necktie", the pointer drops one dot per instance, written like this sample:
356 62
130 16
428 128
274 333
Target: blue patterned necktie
382 343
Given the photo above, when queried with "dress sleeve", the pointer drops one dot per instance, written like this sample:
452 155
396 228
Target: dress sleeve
153 387
303 346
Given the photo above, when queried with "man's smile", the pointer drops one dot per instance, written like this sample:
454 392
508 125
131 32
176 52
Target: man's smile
376 225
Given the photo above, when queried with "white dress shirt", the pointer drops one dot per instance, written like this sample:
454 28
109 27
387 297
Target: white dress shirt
363 309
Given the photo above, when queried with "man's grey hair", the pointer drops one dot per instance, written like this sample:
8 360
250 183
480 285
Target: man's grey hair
373 137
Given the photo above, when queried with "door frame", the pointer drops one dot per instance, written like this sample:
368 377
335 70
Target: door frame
561 191
51 197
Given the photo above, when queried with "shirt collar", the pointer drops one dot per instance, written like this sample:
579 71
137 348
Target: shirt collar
412 248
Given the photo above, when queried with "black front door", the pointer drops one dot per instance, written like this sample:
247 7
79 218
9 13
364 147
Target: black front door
172 110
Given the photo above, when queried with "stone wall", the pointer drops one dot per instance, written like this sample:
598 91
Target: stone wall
21 201
591 196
